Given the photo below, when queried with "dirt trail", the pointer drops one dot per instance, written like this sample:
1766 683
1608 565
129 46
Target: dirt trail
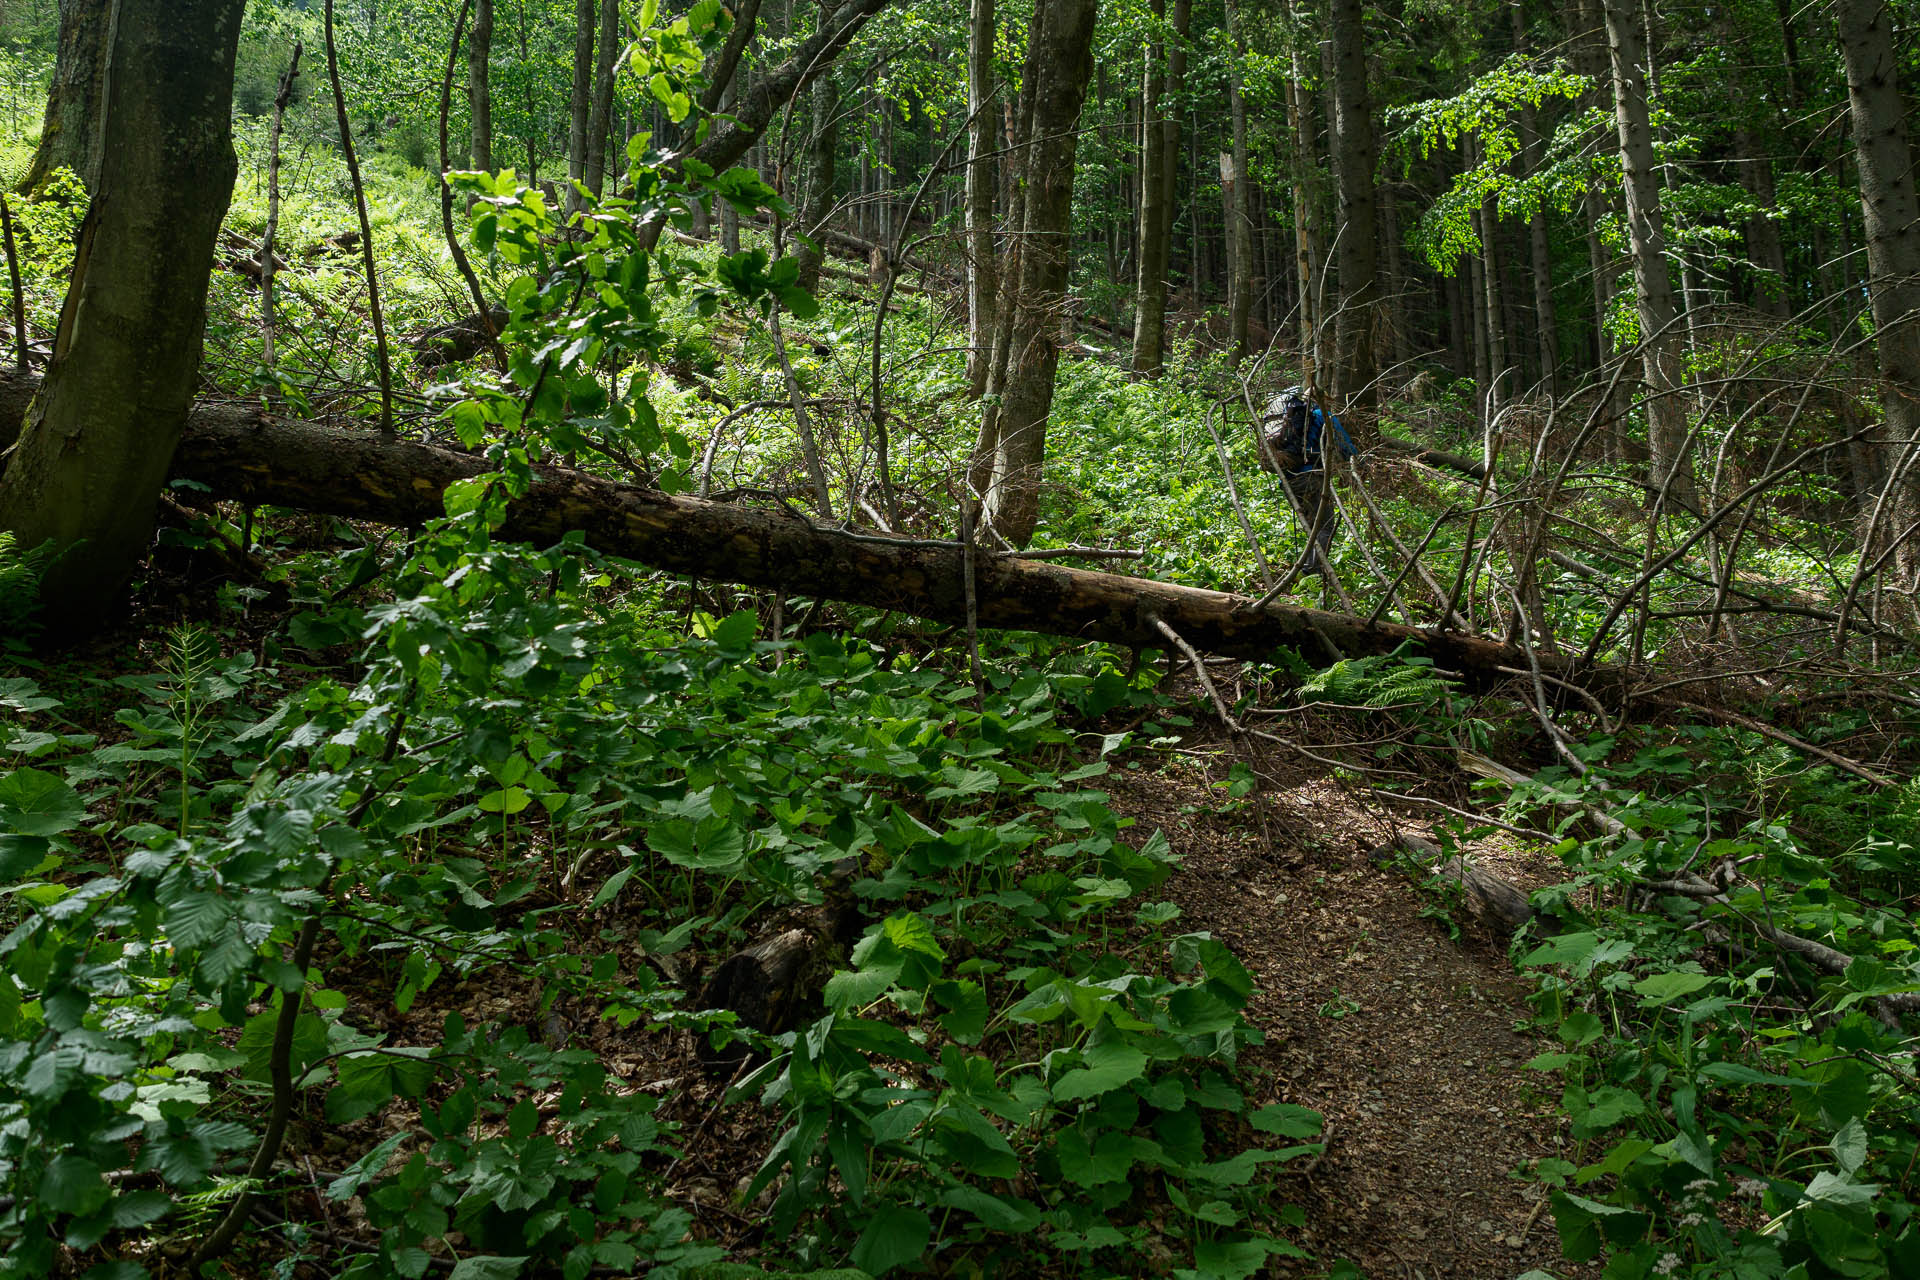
1402 1037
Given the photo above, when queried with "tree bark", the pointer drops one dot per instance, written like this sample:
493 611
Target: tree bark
1499 360
1672 462
606 53
1355 365
1300 132
816 201
480 84
85 474
981 276
726 62
756 105
1156 212
1538 243
1765 249
1019 128
70 136
1891 213
1063 40
1238 210
580 104
1172 108
239 455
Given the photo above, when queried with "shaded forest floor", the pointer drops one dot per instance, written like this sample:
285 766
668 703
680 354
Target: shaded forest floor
1411 1042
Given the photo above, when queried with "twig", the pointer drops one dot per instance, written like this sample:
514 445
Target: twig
13 277
1761 727
366 229
268 260
1076 553
1233 494
1200 669
809 444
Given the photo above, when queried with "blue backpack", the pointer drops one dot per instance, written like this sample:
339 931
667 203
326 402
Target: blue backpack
1301 428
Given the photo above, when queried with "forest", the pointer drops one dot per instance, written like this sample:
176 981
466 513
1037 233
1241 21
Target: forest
1139 638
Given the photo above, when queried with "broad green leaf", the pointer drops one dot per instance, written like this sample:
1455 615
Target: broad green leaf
36 803
1287 1120
1105 1067
73 1184
910 932
1665 988
894 1237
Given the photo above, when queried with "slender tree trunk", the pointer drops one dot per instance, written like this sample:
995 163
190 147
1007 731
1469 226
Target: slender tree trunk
1300 131
89 466
823 152
1765 249
1397 322
1459 322
1538 243
600 123
1494 313
1892 217
70 134
580 104
1156 213
1353 164
1172 108
1483 366
724 65
1014 172
1063 37
981 275
1603 271
1672 464
1238 209
480 85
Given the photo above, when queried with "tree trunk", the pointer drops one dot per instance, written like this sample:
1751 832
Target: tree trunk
981 276
70 136
1353 164
1172 108
1892 216
239 455
89 465
1019 128
1499 359
1672 463
606 53
1765 249
725 63
1538 244
1063 41
480 85
1156 213
1480 328
816 202
1396 320
1300 131
580 103
1239 218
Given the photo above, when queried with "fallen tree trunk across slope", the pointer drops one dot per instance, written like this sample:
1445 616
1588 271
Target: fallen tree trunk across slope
243 456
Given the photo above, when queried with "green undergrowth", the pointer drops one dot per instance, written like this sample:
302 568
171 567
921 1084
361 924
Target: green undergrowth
1727 976
541 780
1738 1107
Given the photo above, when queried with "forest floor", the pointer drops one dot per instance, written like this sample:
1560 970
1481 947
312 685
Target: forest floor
1411 1042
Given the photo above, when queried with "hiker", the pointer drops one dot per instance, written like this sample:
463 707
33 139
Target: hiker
1293 433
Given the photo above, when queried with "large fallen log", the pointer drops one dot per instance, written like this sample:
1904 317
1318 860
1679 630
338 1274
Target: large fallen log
244 456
